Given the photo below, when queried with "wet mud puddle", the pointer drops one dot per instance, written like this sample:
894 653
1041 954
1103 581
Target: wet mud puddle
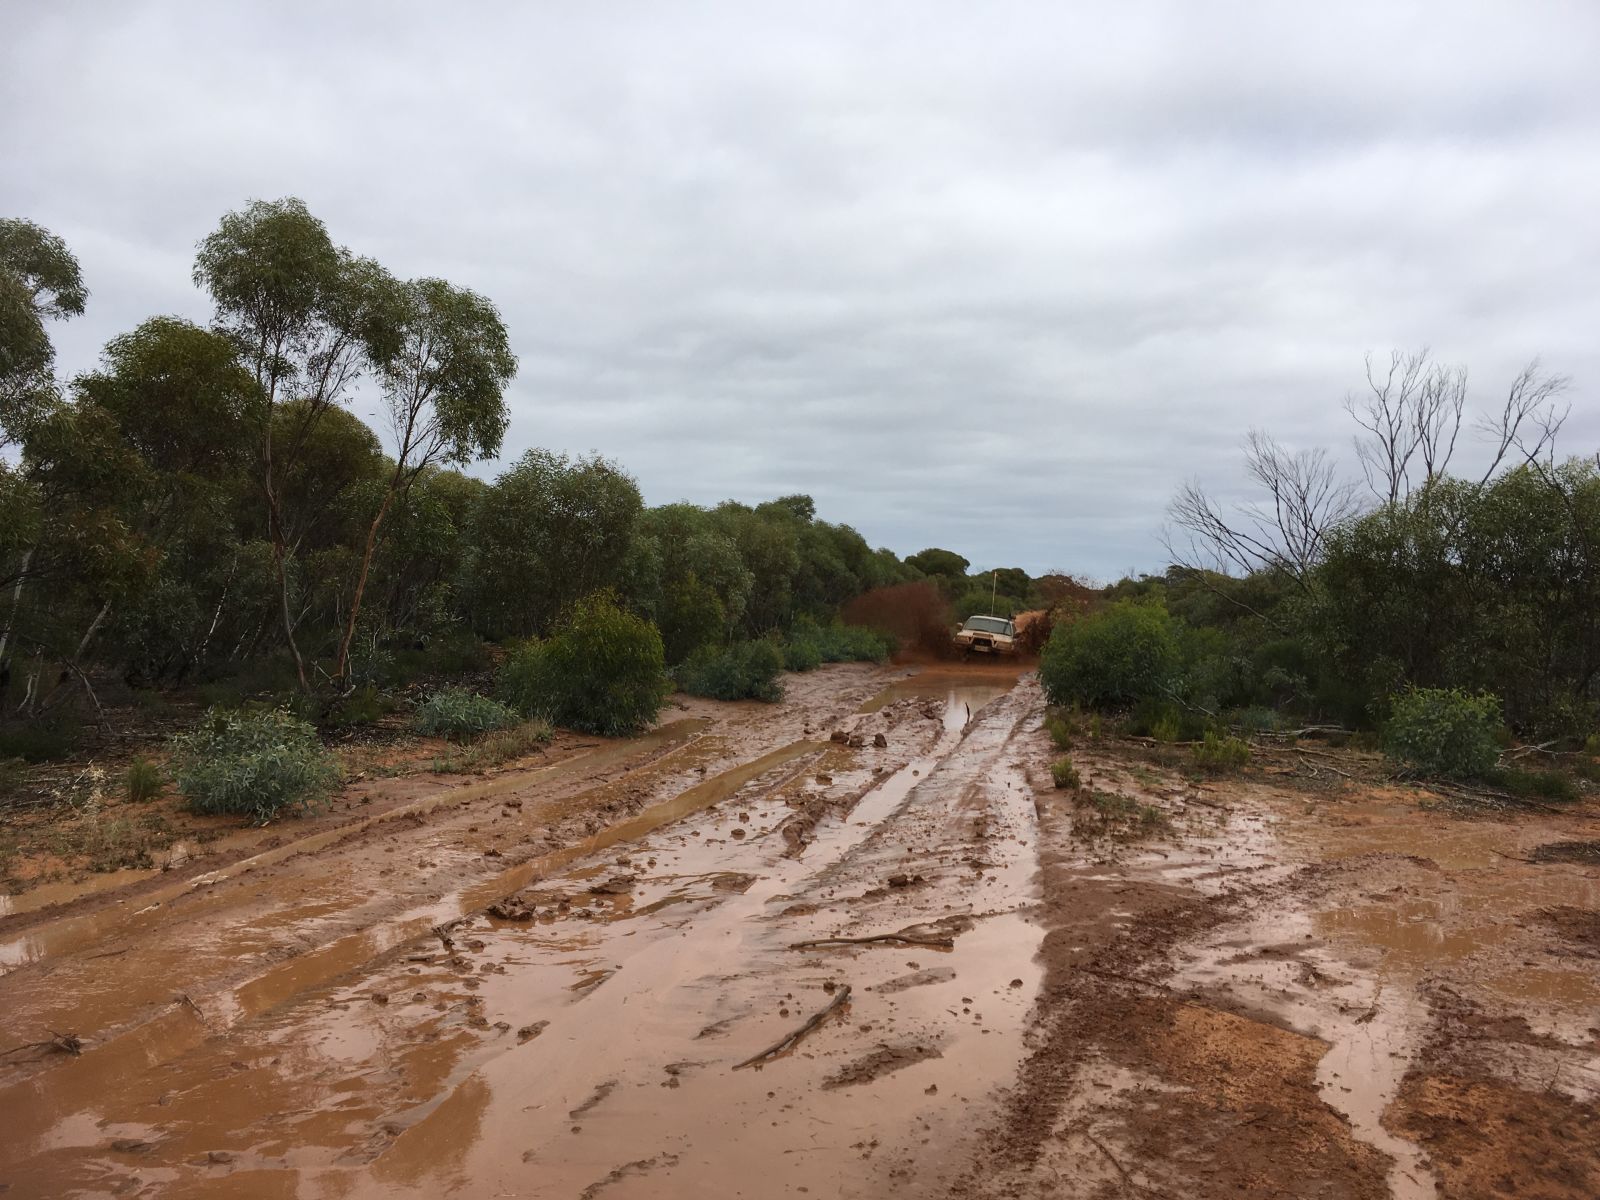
1351 967
587 1039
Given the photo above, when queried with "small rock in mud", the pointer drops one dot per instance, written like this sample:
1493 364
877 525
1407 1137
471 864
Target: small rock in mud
380 998
880 741
511 909
857 741
840 736
132 1146
529 1032
904 881
617 885
219 1156
824 779
491 852
1016 983
736 833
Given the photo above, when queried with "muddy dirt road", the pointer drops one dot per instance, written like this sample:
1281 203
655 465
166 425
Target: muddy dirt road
738 958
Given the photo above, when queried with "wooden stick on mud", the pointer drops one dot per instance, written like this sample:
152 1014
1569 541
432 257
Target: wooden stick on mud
793 1040
901 939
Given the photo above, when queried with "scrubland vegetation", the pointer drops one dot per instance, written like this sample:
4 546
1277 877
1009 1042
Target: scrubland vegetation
203 518
1453 616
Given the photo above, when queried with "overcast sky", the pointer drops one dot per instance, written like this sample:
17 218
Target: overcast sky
993 277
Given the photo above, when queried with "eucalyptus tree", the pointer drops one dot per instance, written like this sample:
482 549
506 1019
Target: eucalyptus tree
443 386
39 281
309 317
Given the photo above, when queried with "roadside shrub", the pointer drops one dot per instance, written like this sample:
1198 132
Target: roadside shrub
1060 724
602 671
1443 731
493 748
455 712
48 739
1591 744
144 780
801 653
1535 785
742 671
1099 814
364 706
1064 774
258 763
1165 721
809 644
1219 754
1122 655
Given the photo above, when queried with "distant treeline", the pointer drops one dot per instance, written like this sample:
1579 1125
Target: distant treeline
204 509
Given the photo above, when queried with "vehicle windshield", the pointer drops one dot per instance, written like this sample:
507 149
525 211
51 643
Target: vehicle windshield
988 625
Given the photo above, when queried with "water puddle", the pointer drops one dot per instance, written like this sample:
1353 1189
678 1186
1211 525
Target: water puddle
658 953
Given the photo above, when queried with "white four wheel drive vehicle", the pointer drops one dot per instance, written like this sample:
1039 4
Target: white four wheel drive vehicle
987 635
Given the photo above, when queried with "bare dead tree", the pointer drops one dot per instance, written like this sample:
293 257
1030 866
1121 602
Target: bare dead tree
1528 422
1287 531
1412 417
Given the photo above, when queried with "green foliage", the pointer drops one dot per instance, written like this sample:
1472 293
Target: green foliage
1218 754
810 644
550 530
1535 785
39 281
495 748
1114 815
1444 731
47 739
258 763
934 561
1064 774
364 706
144 780
455 712
742 671
1061 724
1124 654
602 671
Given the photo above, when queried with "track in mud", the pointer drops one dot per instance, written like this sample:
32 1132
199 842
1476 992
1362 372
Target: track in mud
586 1040
947 978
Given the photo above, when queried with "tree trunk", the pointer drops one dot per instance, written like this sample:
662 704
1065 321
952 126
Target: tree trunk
341 668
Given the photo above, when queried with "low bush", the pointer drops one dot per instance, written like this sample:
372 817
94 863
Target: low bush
144 780
47 739
364 706
259 763
1122 655
1219 754
1535 785
1064 774
1444 731
602 671
1114 815
742 671
1165 721
809 645
457 713
494 748
1061 724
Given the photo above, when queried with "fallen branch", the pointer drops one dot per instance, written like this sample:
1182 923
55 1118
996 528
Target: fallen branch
1541 748
65 1043
901 939
793 1040
1327 765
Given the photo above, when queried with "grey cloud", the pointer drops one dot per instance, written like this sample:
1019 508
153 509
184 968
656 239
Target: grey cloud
996 277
